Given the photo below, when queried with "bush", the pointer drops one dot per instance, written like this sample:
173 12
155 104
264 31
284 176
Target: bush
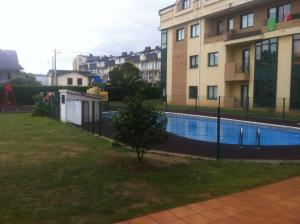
24 94
140 125
41 107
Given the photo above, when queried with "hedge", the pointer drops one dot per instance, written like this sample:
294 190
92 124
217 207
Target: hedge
117 93
24 94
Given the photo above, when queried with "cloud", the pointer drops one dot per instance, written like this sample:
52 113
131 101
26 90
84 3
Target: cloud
37 27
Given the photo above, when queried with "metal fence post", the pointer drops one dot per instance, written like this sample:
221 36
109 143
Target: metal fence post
82 114
93 117
218 129
166 104
247 107
100 118
283 109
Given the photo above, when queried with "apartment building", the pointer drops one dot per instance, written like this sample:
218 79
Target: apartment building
247 51
148 61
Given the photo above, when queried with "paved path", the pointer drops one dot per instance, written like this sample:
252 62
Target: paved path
273 204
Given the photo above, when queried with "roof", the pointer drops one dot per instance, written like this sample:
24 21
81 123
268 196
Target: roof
110 63
134 59
64 72
170 6
151 57
9 60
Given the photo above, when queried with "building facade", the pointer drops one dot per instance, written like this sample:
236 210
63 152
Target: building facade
148 61
246 51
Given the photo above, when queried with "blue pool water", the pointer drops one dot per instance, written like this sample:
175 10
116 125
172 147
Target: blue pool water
205 129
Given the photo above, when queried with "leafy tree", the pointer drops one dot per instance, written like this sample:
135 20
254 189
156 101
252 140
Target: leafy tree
127 76
140 125
25 79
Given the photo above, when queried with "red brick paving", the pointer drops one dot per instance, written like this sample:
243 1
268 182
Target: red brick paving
273 204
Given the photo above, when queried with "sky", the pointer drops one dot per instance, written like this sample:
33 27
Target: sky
34 28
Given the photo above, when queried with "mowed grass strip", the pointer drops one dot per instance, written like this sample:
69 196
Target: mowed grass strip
56 173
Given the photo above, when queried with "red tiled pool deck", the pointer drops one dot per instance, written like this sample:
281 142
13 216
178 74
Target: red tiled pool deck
277 203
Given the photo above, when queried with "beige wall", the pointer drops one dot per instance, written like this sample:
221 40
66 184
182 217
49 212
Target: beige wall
284 69
62 80
170 64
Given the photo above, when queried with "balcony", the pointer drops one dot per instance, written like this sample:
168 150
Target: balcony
214 37
233 73
294 22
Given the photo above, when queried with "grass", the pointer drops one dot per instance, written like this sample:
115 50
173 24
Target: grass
55 173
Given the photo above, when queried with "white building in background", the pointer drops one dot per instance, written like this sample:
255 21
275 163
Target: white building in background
68 78
148 61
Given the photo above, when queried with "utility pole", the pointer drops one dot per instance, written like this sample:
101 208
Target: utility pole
54 79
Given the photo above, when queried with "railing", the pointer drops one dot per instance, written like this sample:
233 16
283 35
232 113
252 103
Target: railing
294 22
234 72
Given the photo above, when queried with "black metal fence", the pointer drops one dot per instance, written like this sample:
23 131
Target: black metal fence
54 107
220 128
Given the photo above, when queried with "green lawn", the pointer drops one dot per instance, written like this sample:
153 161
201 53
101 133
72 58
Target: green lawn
55 173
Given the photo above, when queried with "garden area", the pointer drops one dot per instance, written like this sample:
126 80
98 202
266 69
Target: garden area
56 173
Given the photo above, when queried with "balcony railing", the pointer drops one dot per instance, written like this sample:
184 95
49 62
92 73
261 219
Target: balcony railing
293 22
234 72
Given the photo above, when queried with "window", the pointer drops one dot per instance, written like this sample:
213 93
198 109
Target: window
213 59
220 27
247 20
195 30
193 92
296 50
283 12
79 81
70 81
246 61
230 24
194 61
164 39
272 13
63 99
185 4
180 34
212 92
279 13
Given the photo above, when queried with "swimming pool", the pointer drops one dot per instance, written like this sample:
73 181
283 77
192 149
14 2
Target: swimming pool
204 128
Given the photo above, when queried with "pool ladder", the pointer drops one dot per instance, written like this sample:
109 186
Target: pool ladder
241 137
258 138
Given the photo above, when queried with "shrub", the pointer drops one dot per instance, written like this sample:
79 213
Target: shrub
140 125
41 107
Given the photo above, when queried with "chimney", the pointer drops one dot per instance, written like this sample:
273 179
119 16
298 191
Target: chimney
124 54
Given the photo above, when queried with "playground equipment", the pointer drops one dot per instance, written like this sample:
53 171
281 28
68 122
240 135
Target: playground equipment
7 98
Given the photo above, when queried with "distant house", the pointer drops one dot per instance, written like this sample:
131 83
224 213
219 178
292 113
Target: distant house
68 78
9 65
